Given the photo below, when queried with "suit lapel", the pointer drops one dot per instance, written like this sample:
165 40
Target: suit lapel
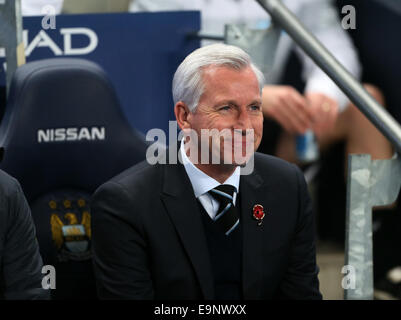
253 192
180 202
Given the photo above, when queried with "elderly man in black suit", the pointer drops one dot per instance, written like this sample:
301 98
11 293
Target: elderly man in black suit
20 261
207 229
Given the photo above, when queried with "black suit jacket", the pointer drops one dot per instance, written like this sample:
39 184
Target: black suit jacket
149 243
20 260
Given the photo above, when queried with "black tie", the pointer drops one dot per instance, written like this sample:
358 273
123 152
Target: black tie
227 215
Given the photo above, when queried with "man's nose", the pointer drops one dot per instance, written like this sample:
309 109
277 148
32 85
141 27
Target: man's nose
244 121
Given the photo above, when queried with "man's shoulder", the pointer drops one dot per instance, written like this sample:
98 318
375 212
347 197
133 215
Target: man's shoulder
141 176
8 185
271 164
276 169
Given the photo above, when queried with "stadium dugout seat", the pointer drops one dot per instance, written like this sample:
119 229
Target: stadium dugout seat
63 135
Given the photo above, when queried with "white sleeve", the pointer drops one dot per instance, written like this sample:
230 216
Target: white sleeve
158 5
34 7
321 18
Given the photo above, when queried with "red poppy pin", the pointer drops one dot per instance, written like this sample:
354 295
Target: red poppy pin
258 213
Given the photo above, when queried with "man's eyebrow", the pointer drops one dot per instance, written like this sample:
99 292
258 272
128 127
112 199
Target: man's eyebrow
225 103
257 101
232 102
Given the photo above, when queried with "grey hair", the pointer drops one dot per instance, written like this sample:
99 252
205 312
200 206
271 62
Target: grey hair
188 84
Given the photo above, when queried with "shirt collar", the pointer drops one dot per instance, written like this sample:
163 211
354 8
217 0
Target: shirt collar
201 182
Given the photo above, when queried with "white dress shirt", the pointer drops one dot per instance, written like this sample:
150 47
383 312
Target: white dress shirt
202 184
319 16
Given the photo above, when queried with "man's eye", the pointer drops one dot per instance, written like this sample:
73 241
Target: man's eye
224 108
255 108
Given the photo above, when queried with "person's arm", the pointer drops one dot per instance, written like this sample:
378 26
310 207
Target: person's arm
321 18
21 260
120 257
300 280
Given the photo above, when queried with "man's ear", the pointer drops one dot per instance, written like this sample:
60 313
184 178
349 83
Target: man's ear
182 113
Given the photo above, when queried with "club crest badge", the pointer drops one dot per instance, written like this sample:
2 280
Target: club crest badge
70 223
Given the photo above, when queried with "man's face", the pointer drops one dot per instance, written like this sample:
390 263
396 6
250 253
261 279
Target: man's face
231 103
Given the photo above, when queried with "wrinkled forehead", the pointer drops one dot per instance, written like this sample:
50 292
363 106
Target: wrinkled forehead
225 79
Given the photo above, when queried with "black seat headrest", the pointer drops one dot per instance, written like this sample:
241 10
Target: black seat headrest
64 127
